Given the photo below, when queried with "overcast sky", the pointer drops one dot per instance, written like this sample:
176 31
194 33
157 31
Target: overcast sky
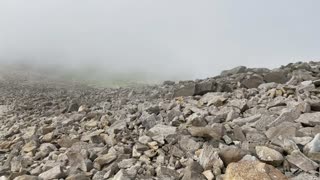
186 38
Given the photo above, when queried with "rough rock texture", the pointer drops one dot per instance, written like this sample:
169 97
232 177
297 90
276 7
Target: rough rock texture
247 123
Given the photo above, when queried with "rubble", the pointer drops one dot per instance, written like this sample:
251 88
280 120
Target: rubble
247 123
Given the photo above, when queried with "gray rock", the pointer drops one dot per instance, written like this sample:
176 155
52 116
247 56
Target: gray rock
310 119
276 76
211 132
231 154
252 82
100 161
209 158
166 173
26 177
236 70
53 173
269 155
193 171
298 159
186 90
159 132
122 175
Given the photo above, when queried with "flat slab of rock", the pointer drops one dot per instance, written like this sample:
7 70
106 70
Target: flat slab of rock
310 119
298 159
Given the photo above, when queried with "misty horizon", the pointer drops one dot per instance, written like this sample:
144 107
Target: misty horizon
159 40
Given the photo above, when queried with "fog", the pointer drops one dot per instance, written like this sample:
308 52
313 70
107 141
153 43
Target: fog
181 39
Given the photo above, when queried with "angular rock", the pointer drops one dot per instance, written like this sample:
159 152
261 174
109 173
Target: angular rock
253 170
298 159
231 154
53 173
309 119
193 171
210 132
209 158
269 155
186 90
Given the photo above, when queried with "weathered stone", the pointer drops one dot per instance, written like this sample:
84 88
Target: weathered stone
309 119
122 175
231 154
252 82
100 161
196 120
298 159
210 132
26 177
126 163
186 90
253 170
78 177
276 76
166 173
193 171
159 132
209 158
269 155
236 70
53 173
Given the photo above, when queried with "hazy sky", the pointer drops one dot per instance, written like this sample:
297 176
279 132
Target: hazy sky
184 38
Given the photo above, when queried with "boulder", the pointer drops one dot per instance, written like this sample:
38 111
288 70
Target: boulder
253 170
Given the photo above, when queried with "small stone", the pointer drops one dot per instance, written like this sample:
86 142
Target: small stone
208 174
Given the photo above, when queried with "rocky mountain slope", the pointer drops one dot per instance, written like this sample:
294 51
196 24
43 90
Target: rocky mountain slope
246 124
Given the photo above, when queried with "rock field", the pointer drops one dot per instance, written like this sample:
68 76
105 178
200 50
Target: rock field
245 124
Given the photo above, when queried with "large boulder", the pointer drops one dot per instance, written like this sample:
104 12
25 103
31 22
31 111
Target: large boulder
253 170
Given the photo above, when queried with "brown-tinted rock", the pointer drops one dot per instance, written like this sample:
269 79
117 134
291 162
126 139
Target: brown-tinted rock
253 170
